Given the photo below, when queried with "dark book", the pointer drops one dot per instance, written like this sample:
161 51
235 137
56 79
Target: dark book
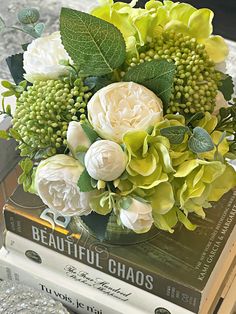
178 267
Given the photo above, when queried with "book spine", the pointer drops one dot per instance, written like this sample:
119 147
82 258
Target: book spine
78 298
93 255
88 276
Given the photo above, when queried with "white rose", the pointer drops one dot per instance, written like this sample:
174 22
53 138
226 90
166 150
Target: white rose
56 183
76 137
41 60
105 160
220 103
138 217
121 107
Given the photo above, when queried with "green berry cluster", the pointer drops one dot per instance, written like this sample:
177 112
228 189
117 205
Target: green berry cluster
196 80
43 113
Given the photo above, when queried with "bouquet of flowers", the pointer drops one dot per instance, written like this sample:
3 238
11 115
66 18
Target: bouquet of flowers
124 115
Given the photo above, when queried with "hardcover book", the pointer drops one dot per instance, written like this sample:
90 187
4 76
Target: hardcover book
75 272
179 268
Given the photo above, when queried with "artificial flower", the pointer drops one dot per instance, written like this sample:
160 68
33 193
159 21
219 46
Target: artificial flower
105 160
77 140
138 217
121 107
56 183
42 57
194 184
149 161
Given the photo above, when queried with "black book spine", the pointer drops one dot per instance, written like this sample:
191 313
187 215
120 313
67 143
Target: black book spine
97 255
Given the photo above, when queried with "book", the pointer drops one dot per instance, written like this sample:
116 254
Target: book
178 267
75 271
77 297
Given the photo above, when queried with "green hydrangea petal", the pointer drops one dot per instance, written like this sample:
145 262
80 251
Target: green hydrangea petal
212 171
179 157
182 12
177 27
223 184
153 4
200 23
164 157
145 166
216 48
134 142
166 222
185 221
208 122
151 181
163 199
186 168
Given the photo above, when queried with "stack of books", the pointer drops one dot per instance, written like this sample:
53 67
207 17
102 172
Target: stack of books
181 273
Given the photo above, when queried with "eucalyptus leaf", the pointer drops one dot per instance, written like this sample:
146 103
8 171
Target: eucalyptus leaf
39 28
84 182
175 134
125 202
97 46
157 75
28 16
227 87
28 29
200 141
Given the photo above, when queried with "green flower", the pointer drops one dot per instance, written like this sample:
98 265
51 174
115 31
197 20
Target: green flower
197 182
184 18
149 161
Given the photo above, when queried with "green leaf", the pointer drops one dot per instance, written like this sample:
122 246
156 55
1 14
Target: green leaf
2 24
28 16
15 65
84 182
6 84
97 82
8 110
8 93
175 134
94 44
42 153
80 156
91 134
227 87
200 141
125 202
15 134
26 165
157 75
39 28
28 29
4 135
21 178
185 221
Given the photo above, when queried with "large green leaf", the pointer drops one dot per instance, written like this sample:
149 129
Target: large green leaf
95 45
157 75
227 87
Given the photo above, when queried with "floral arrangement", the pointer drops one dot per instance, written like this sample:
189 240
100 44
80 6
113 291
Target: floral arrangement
124 113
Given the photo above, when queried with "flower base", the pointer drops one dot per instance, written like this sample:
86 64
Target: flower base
118 235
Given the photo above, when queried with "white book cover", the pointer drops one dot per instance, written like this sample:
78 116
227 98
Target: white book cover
123 294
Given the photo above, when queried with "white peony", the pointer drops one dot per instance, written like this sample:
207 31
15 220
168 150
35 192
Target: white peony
76 138
56 183
121 107
105 160
138 217
41 60
220 103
